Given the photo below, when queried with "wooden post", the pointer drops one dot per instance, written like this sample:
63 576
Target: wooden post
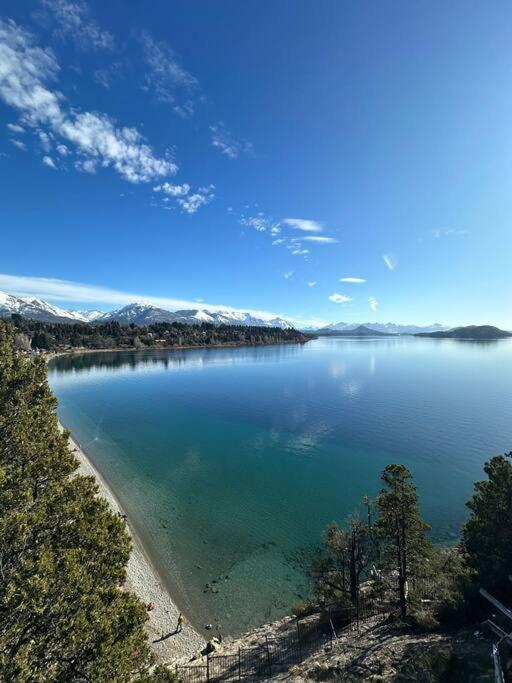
239 664
207 667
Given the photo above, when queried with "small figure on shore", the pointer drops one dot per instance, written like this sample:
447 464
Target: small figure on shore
179 625
150 606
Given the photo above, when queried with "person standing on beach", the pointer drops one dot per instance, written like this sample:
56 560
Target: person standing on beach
179 625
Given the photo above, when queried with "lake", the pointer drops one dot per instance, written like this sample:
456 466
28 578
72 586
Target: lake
231 462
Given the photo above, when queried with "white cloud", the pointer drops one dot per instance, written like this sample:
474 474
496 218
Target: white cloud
45 140
48 161
339 298
15 128
289 274
374 304
73 20
259 223
19 144
24 71
165 73
173 190
63 150
192 202
352 280
312 283
226 142
390 261
320 239
304 224
64 290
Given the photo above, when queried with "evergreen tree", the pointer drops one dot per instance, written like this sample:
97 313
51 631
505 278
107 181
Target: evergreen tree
344 558
402 532
63 553
487 535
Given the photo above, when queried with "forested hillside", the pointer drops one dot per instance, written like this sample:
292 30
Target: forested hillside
32 334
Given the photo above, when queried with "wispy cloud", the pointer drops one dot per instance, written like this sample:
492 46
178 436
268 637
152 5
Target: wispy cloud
25 71
390 261
304 224
15 128
173 190
340 298
289 274
67 291
312 283
48 161
227 143
374 304
192 202
189 201
164 72
352 280
450 232
19 144
74 20
320 239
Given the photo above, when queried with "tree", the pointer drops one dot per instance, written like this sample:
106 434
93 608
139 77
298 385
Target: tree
344 558
402 531
487 535
63 553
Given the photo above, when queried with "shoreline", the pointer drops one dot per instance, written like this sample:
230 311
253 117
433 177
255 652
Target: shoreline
50 355
143 579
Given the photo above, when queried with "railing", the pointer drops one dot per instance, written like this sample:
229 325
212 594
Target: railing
279 653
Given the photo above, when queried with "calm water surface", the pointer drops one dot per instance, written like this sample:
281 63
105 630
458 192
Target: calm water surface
230 462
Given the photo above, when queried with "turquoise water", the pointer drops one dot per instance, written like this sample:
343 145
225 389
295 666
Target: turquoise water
230 462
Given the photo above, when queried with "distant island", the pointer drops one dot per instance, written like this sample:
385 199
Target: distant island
360 331
477 332
35 335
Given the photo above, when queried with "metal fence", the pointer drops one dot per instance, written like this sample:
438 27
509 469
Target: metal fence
279 653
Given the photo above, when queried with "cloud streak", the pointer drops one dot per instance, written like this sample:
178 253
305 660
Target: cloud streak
304 224
352 280
374 304
55 289
340 298
390 261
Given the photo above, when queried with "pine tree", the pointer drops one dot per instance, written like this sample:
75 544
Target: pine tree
487 535
402 532
63 553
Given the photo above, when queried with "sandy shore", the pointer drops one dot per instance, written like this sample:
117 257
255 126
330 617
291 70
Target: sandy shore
144 581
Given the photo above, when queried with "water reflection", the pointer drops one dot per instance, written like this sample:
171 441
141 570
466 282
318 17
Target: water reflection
169 359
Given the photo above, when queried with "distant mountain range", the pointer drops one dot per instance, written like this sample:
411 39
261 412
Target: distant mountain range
386 328
481 332
136 313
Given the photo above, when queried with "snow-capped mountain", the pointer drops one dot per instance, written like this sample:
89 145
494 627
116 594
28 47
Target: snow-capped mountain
389 328
145 314
34 308
136 313
87 316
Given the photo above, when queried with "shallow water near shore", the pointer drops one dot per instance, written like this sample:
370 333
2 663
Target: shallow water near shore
230 462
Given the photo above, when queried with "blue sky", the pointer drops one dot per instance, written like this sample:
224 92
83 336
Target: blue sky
256 154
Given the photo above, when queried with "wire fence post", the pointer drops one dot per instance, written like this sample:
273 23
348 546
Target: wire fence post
239 664
298 641
208 667
269 661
